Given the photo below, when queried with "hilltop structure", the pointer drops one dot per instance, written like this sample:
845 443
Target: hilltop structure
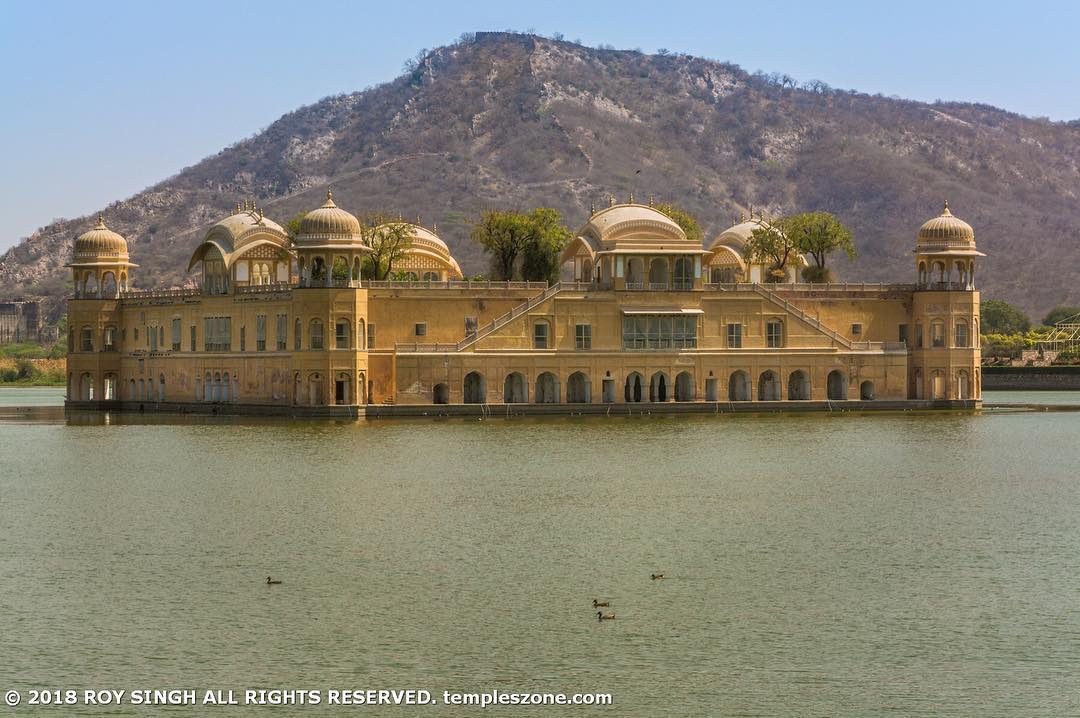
648 318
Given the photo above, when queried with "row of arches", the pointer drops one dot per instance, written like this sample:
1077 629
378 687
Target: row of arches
658 387
104 284
954 274
312 389
217 386
935 385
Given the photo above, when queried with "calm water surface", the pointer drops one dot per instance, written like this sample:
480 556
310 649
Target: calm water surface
839 565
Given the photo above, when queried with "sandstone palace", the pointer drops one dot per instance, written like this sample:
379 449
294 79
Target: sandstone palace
645 319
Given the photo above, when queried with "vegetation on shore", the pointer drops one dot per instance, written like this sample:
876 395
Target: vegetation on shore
29 364
1007 332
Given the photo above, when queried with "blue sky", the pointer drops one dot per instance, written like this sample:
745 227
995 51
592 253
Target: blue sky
103 99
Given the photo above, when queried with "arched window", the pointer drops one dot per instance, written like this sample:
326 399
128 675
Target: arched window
315 335
431 276
142 390
837 385
922 274
659 387
635 273
131 390
739 386
86 387
658 273
960 335
474 389
361 335
798 386
684 387
578 390
514 389
937 333
963 384
440 394
768 386
297 331
86 342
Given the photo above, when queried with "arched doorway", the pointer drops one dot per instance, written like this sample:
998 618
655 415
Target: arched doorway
739 386
633 387
296 389
937 385
316 396
109 391
866 391
712 389
86 387
963 385
578 389
161 388
837 384
514 389
441 394
547 389
798 386
917 380
684 387
768 386
474 389
361 389
658 387
635 273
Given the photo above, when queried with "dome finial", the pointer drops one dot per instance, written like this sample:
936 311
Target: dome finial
631 198
611 200
946 210
329 194
101 221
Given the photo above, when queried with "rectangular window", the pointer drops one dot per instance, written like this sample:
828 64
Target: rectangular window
243 338
774 334
152 337
87 341
135 334
540 335
282 329
260 333
315 341
734 336
902 334
659 332
341 335
937 334
297 331
421 329
856 330
962 335
371 335
175 335
583 336
918 336
192 342
217 334
110 339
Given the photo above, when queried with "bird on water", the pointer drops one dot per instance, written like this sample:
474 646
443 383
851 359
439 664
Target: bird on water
601 616
657 576
599 604
271 581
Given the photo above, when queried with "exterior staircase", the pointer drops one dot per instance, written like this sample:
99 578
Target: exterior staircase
811 320
503 320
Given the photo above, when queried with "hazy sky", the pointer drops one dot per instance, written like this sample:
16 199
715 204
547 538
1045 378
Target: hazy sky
102 99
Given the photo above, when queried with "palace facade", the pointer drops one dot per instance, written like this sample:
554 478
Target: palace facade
644 317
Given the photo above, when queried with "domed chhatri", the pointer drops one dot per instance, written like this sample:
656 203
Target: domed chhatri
100 263
328 221
947 228
330 247
100 242
945 253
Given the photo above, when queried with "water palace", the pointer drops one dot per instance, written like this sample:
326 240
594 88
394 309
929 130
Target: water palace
647 320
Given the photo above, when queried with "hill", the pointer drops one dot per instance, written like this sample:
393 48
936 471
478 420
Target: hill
511 120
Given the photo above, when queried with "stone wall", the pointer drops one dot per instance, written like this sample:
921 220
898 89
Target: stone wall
1027 378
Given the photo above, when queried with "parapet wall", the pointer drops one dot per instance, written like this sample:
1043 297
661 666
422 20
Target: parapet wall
1031 378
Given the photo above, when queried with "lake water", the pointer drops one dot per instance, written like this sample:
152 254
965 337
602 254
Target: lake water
841 565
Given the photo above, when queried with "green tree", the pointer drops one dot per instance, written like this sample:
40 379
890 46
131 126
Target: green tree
547 237
819 234
1059 314
389 240
770 244
684 219
292 227
503 235
1000 317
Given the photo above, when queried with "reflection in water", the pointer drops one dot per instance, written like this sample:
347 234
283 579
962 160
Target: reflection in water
844 565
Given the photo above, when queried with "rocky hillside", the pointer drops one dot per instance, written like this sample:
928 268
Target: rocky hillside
505 120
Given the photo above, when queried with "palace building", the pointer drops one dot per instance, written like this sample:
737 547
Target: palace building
643 317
